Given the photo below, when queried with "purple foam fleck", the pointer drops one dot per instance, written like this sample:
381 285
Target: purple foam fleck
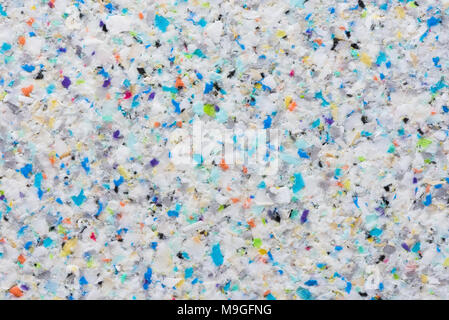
66 82
154 162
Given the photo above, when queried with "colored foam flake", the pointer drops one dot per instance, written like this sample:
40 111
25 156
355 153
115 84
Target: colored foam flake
161 23
262 150
66 82
154 162
216 255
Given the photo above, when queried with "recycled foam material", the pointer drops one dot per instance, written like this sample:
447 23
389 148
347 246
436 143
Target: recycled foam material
99 100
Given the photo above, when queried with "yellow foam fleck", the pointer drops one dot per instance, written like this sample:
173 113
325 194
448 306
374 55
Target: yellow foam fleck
180 283
446 262
366 59
287 100
123 172
51 122
305 60
400 12
53 104
68 247
280 33
424 278
334 110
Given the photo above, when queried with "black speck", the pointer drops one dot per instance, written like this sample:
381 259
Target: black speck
141 71
361 4
231 74
355 46
157 44
348 34
40 75
405 120
363 294
364 119
274 215
104 28
335 43
216 86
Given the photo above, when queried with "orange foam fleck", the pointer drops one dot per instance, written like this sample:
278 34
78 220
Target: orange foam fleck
27 90
21 40
21 259
15 291
223 165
